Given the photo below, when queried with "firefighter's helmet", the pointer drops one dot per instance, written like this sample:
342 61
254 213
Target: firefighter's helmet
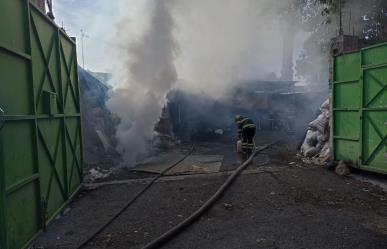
238 118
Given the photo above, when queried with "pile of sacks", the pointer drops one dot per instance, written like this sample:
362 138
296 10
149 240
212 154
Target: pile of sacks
316 143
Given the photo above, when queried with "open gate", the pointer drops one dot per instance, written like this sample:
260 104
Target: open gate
359 103
40 139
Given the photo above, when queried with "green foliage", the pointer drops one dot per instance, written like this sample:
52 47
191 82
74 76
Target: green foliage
320 18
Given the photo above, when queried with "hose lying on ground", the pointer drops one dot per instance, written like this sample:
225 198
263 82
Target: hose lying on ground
208 204
87 241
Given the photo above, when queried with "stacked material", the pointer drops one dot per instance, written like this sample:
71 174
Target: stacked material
98 123
316 143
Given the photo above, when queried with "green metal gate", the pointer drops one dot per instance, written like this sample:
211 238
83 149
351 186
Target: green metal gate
359 102
40 136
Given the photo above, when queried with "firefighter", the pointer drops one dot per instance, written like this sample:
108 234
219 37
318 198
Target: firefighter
246 133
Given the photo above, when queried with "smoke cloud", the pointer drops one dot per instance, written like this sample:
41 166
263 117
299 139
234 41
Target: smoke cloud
146 77
225 41
203 47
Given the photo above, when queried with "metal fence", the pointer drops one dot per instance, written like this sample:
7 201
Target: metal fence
40 126
359 125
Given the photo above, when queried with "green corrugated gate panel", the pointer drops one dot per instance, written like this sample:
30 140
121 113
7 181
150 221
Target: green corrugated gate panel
40 143
360 108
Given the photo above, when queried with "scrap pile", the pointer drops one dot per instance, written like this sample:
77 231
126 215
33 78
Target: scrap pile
315 147
98 123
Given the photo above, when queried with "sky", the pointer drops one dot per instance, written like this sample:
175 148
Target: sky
99 18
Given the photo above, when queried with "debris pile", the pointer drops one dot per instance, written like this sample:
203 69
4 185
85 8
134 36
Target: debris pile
163 137
315 147
342 169
98 123
96 174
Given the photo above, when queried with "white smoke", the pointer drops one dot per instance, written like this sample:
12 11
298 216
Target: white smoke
220 44
148 73
225 41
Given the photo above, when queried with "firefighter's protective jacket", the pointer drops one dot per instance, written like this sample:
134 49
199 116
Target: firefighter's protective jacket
244 123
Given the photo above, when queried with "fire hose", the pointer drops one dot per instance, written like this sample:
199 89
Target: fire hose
169 235
112 219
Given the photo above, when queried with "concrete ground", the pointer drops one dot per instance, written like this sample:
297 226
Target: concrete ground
277 203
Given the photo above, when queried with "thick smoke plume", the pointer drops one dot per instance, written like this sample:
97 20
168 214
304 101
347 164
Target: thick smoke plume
223 42
148 75
220 44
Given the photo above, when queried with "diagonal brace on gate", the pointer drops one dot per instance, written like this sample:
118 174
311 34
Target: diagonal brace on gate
53 160
380 145
46 60
381 84
74 152
69 69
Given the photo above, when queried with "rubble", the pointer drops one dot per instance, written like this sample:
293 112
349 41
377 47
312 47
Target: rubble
228 206
96 174
98 123
315 147
342 169
163 136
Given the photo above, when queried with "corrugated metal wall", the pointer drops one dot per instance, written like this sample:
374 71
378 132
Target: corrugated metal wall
40 143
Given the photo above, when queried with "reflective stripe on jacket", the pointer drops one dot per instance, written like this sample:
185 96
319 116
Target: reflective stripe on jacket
245 124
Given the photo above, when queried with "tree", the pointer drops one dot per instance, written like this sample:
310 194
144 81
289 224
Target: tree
321 24
321 18
374 20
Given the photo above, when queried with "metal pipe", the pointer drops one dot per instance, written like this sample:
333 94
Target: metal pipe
341 32
2 121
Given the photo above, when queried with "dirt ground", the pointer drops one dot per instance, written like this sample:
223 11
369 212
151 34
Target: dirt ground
274 204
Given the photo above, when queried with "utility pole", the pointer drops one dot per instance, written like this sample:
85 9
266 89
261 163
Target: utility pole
341 32
83 35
